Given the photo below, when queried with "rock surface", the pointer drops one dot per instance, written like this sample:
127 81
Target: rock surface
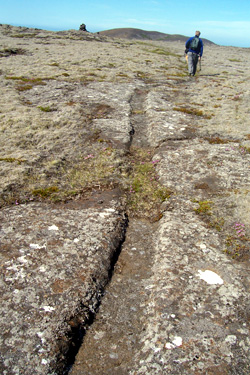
81 114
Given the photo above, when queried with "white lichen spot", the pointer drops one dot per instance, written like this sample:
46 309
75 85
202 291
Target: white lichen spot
44 362
103 214
231 339
113 355
168 345
13 267
106 212
76 240
40 335
22 259
210 277
35 246
149 286
175 343
99 335
202 246
53 227
157 350
48 308
42 269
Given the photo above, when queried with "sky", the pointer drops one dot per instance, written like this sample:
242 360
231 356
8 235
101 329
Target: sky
225 22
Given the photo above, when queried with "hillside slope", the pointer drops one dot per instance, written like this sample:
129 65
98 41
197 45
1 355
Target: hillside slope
132 33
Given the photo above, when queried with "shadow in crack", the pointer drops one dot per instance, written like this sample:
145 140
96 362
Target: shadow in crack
69 344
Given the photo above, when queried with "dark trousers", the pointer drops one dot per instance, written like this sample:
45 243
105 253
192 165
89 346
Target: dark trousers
192 62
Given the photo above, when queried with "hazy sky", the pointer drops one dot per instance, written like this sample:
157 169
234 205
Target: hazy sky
225 22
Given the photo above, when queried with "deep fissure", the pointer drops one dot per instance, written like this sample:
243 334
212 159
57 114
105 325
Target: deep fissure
120 319
75 336
79 326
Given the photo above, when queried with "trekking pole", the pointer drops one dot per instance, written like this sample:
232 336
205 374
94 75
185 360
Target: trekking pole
200 63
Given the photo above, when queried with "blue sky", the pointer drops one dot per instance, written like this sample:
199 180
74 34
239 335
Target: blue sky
225 22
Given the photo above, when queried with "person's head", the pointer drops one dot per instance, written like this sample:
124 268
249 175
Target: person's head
197 33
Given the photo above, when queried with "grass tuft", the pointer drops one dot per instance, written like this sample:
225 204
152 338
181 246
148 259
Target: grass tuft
25 83
12 160
204 208
45 192
144 192
45 109
192 111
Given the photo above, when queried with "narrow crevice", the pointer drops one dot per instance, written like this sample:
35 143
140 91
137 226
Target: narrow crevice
118 251
111 343
74 341
69 345
137 118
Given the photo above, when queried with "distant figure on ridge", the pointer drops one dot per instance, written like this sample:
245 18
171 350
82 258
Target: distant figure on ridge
83 27
194 50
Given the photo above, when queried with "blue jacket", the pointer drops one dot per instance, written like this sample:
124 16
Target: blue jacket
199 51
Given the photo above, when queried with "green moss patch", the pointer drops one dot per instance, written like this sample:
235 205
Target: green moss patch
26 83
145 194
192 111
45 192
12 160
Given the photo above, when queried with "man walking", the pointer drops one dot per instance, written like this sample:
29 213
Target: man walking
194 50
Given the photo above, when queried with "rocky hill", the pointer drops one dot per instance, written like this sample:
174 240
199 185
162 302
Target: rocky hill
131 33
124 206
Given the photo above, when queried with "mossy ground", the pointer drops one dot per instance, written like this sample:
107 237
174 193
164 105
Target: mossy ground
145 194
102 169
235 235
